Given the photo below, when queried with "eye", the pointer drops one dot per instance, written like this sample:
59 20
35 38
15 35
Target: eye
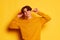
28 10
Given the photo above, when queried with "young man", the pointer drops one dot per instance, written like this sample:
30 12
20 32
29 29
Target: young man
29 22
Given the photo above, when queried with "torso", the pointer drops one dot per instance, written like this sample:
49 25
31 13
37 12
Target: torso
30 28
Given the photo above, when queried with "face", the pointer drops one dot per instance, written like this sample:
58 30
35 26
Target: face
27 13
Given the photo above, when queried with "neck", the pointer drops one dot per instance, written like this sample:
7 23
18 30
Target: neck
28 17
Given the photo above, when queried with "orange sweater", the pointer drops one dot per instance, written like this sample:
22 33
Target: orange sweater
30 28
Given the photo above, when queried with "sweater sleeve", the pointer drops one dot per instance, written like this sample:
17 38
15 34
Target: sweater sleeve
14 24
44 18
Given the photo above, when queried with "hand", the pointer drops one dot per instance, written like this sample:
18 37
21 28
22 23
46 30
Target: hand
35 10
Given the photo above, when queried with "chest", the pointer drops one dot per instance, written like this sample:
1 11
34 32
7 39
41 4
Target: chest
33 22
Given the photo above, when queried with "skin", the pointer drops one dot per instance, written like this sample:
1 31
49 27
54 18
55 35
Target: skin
27 14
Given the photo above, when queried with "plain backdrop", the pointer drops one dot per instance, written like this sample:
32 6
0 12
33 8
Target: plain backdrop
10 8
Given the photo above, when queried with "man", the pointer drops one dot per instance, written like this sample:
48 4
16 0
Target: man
29 22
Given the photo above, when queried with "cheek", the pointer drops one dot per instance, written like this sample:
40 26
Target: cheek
25 13
28 12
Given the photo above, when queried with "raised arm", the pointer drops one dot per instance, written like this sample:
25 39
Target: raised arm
44 18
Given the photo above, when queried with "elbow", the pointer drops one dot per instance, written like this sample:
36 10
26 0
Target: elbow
13 28
48 19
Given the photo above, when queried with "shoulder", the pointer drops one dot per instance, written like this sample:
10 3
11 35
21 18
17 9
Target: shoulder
35 14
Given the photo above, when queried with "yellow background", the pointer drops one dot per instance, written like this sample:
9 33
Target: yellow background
9 8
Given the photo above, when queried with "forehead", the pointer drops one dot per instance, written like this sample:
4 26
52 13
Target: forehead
25 9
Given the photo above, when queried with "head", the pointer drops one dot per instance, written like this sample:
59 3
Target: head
26 11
